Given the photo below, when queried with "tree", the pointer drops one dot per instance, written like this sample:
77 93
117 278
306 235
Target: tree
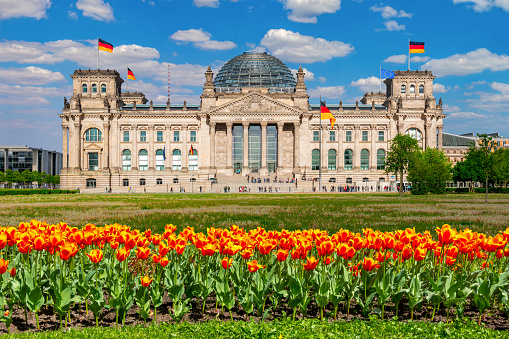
2 177
482 156
10 176
26 176
500 166
464 171
429 171
36 176
44 177
399 156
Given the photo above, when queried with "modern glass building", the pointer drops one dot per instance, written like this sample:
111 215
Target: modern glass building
20 158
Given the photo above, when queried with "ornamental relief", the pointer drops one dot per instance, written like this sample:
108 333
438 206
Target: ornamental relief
254 103
221 142
287 149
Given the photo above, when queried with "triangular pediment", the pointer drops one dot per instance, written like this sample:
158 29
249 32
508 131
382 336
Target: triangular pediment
254 103
93 147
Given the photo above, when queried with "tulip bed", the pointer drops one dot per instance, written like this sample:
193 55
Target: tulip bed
115 268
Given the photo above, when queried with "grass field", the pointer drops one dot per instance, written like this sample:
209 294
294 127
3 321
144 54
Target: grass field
274 211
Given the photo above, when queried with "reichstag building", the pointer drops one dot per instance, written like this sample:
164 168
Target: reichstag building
254 121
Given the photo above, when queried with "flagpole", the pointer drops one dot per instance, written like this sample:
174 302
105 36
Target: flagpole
320 151
408 54
97 52
380 79
127 81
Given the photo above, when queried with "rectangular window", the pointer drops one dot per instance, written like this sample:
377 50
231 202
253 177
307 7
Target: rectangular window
193 136
142 182
176 136
349 180
143 136
159 136
332 136
125 182
316 135
93 161
126 135
364 135
381 136
91 183
348 135
159 181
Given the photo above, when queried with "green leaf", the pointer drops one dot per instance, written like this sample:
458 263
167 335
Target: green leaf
295 286
451 302
35 299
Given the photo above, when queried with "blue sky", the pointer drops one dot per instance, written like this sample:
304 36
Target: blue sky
341 44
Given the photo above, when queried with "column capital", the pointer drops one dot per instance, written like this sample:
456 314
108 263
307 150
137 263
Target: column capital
151 127
212 125
263 123
245 124
77 125
229 124
280 124
106 126
65 127
297 124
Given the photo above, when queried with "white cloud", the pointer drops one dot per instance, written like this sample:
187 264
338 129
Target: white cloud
24 8
96 9
206 3
72 15
306 11
294 47
419 59
389 12
371 84
322 79
470 63
500 87
476 83
201 39
333 92
439 88
30 76
308 75
397 59
485 5
392 25
29 91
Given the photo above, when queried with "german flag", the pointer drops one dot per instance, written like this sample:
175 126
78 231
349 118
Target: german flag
416 47
326 114
130 74
191 151
105 46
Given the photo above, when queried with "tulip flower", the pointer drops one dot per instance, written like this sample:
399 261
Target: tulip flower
13 272
310 264
326 248
328 261
122 254
420 253
67 251
3 240
164 262
95 255
226 263
142 252
406 253
282 255
208 249
446 234
369 264
146 281
253 266
247 253
3 266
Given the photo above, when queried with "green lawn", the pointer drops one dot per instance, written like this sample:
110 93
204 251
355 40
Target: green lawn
270 211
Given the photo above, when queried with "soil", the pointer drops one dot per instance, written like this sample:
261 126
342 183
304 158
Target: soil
49 321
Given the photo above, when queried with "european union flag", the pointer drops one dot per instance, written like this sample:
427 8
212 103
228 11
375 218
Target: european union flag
384 74
164 153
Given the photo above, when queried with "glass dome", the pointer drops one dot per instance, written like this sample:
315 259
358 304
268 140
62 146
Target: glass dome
254 70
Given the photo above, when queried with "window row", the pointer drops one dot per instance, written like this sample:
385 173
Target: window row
348 159
412 89
348 136
94 88
159 136
176 160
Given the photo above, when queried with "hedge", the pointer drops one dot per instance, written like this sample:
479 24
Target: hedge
12 191
504 190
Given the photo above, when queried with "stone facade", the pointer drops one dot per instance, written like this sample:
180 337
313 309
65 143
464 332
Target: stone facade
229 129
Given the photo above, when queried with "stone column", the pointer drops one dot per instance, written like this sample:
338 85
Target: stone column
245 165
356 149
229 148
263 169
134 153
427 140
296 147
77 140
372 152
341 149
6 159
168 152
280 146
185 151
65 129
151 153
106 146
439 128
325 149
213 145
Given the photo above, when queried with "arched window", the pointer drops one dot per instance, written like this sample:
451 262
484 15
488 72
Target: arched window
380 159
126 160
331 161
421 88
403 89
94 88
143 160
103 88
193 160
85 88
315 159
348 159
159 160
412 89
176 160
364 159
414 133
93 134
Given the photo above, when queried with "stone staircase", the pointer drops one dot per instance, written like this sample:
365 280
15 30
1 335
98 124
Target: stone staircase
239 183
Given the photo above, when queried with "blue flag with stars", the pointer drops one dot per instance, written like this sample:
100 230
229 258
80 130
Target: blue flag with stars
164 153
385 74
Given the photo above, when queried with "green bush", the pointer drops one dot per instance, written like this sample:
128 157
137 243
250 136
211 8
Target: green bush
12 191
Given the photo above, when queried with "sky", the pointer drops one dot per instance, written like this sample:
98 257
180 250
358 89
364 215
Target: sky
341 45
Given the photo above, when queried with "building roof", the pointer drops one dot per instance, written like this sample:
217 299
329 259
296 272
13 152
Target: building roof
260 70
452 140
